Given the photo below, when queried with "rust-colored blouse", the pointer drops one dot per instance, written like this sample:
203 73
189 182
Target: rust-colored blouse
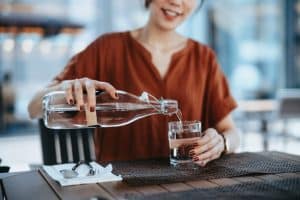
194 78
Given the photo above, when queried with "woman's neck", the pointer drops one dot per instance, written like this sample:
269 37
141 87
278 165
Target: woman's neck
159 39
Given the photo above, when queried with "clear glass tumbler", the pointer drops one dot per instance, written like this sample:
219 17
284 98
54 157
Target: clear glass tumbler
182 136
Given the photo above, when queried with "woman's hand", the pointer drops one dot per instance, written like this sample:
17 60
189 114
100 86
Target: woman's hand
74 91
208 147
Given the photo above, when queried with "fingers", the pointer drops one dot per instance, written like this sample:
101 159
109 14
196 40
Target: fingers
208 141
107 87
67 86
91 98
78 94
211 148
74 89
216 150
208 135
210 152
202 163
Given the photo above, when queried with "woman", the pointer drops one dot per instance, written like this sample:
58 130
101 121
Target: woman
164 63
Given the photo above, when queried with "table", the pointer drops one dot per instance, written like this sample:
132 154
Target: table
260 109
259 105
40 186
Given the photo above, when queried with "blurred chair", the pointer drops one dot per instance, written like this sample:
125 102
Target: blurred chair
3 169
261 110
288 105
8 98
1 108
65 146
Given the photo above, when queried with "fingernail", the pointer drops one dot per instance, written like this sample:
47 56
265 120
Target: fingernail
81 108
192 153
92 109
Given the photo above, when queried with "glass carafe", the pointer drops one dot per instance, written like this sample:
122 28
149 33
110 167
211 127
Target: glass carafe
109 112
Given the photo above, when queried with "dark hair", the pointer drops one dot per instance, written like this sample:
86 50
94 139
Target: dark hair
147 4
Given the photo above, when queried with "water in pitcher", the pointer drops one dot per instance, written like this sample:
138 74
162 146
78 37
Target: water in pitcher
107 114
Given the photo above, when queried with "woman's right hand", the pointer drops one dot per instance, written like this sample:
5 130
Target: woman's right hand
74 91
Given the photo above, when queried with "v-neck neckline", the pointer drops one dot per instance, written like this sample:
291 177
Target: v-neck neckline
148 54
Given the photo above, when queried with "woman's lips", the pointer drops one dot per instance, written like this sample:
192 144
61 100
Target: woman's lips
170 14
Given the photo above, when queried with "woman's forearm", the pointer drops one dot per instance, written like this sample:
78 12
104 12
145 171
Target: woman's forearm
226 127
35 105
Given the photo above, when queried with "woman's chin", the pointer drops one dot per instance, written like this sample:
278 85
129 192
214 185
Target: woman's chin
168 26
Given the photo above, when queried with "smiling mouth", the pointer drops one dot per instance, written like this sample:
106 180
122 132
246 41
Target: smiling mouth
171 13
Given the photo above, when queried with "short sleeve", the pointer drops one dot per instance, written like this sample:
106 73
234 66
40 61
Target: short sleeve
220 102
84 64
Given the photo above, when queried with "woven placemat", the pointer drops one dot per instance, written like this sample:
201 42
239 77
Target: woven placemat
280 189
159 171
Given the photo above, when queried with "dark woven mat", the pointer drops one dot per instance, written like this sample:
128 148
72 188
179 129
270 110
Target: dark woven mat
144 172
281 189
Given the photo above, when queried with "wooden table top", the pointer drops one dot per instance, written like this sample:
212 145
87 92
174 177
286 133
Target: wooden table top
38 185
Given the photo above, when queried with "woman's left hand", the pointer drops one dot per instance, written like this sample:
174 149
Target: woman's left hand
207 148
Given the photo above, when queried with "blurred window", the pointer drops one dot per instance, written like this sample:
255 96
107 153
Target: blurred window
293 43
248 36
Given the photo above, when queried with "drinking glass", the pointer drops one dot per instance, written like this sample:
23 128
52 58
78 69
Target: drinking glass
182 136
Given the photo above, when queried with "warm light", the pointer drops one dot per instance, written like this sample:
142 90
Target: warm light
8 45
79 46
45 47
27 45
62 49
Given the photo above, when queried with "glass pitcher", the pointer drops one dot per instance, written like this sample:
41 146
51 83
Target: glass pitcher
109 112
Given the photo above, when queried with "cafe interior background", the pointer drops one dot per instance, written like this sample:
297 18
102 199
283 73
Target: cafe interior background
257 44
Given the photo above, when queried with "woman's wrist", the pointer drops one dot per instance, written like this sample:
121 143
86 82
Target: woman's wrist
35 105
225 144
231 140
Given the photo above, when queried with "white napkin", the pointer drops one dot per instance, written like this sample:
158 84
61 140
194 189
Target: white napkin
103 174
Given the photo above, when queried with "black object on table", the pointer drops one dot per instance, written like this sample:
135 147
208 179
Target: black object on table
3 169
148 172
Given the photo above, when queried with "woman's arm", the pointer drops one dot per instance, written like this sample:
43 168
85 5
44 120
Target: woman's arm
230 132
35 105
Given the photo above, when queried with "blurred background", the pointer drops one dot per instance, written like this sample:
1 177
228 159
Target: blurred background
257 43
